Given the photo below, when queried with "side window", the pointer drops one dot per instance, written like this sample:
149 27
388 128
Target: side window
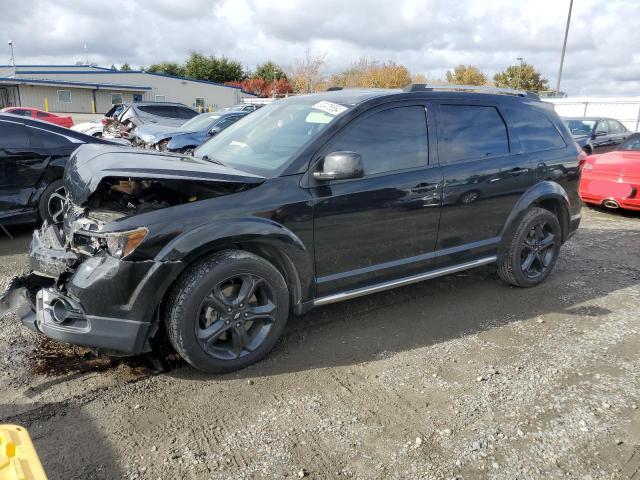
535 130
43 139
602 127
22 113
390 140
616 127
42 114
13 135
470 132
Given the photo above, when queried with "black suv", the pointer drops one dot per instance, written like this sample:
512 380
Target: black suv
310 200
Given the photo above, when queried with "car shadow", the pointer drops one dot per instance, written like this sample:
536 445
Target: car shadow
438 310
67 441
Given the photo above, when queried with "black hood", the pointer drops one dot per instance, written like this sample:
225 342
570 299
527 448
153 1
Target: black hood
89 164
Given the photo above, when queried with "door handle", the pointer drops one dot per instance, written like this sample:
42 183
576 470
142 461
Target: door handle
518 171
424 188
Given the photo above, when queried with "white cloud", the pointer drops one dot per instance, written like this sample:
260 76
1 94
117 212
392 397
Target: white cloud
428 36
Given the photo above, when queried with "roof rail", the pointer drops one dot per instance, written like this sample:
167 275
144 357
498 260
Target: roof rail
424 87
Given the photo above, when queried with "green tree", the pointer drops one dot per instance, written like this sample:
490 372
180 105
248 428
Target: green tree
125 67
167 68
466 75
523 78
213 69
269 72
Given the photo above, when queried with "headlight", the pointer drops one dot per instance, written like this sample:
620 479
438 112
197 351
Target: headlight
121 244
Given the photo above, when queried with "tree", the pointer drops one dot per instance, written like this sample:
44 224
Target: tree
213 69
372 74
167 68
269 72
466 75
125 67
523 78
306 73
263 88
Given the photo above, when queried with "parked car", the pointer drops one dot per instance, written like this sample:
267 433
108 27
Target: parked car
63 121
33 155
141 113
597 135
190 135
612 179
311 200
93 129
243 107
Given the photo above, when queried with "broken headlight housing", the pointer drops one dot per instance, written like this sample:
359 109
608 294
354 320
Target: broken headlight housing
121 244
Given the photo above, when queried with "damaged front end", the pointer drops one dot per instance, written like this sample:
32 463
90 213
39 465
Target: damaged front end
89 284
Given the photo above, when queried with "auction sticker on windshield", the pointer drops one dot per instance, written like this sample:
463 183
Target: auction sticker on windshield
330 107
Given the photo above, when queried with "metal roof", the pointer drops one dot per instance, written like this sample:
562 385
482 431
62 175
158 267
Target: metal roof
97 86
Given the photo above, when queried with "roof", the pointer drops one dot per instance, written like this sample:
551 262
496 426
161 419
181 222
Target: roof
98 86
588 118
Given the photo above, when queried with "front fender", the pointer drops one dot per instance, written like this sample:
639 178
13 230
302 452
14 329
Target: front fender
538 193
259 235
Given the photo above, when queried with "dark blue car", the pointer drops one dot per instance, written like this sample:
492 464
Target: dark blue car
200 129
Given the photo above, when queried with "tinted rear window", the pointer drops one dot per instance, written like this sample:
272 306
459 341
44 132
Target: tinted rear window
535 130
169 111
470 132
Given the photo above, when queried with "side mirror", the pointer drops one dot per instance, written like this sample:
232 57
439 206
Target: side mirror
214 131
339 166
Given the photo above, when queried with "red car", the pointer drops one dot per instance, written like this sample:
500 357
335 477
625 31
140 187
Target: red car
40 115
613 179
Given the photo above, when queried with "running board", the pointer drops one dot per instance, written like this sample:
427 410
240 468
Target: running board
338 297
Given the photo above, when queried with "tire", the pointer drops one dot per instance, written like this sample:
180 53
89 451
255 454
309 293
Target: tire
50 206
202 329
188 151
533 249
97 135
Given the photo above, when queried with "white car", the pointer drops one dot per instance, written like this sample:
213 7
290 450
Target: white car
89 128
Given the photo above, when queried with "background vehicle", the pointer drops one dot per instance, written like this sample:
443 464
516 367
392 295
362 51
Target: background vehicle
243 107
142 113
200 129
311 200
613 179
93 129
189 135
33 155
597 135
63 121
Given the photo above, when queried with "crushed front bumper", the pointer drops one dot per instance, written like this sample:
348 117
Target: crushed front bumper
99 301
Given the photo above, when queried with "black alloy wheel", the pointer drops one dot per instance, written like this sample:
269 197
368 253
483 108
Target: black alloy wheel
55 205
236 317
537 250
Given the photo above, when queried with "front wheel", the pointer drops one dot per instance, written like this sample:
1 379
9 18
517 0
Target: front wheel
227 311
533 250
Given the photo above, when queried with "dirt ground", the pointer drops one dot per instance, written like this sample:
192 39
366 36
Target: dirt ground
458 377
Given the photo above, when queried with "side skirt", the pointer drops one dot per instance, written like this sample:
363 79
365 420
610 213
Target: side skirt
359 292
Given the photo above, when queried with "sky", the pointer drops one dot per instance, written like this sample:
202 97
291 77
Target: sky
427 36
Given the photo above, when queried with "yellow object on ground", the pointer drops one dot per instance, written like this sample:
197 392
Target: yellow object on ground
18 457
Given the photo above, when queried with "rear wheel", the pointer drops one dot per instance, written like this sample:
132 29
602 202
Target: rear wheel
533 250
227 311
52 200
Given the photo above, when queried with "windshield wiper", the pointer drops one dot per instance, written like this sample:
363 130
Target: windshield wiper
212 160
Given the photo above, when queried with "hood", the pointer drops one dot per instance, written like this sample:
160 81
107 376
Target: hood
619 163
86 126
183 139
91 163
154 132
152 120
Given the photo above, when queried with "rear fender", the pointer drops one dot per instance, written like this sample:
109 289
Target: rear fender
546 194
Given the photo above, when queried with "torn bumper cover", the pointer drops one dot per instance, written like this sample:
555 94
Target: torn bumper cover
100 302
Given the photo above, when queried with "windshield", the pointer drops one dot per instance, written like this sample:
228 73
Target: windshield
579 127
199 122
263 142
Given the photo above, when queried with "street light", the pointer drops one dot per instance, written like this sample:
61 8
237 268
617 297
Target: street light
13 60
564 47
519 73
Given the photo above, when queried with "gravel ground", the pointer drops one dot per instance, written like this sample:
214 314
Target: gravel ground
458 377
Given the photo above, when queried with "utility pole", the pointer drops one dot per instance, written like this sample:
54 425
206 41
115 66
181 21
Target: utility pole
13 59
86 55
564 46
519 73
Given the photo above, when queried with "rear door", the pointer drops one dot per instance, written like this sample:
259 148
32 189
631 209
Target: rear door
484 175
21 167
384 225
618 133
603 140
